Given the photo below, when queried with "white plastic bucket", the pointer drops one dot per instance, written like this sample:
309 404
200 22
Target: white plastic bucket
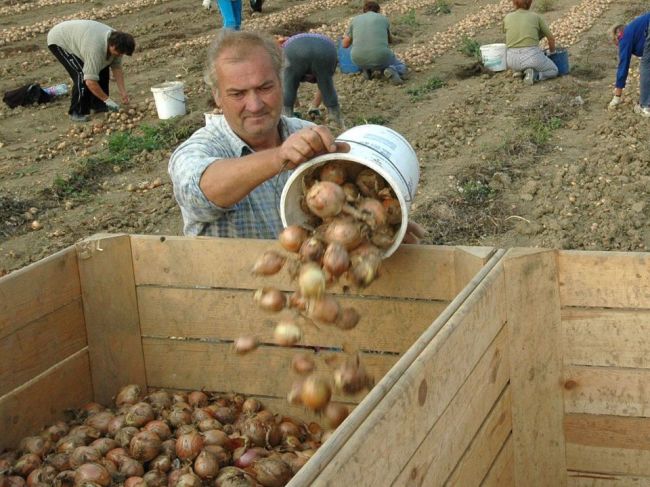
373 146
494 57
169 98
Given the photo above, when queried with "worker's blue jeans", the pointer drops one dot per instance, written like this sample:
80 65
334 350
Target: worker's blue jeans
644 71
231 13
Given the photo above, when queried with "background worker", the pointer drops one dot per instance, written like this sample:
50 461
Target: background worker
230 10
228 175
369 35
632 39
524 30
87 49
311 58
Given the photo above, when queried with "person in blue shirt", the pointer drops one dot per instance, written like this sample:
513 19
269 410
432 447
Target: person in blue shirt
632 39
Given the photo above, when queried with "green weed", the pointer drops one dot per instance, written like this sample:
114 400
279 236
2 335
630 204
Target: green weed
470 47
474 191
373 119
430 85
541 130
408 19
545 5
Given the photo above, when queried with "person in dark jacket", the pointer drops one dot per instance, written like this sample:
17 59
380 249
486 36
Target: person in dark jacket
633 40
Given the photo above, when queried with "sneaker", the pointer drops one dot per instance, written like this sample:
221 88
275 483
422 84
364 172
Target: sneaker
393 76
367 74
643 111
529 76
75 117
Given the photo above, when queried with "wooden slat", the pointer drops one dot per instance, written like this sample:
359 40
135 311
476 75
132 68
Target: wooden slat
590 479
445 444
605 279
216 367
607 390
535 367
606 337
42 401
38 289
414 271
419 395
608 460
502 472
41 344
607 431
111 312
467 262
476 463
388 325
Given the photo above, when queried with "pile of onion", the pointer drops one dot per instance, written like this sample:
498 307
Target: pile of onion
164 439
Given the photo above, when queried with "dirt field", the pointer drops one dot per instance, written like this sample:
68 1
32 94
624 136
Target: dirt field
502 164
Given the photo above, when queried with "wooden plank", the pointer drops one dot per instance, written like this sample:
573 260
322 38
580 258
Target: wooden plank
606 337
607 390
38 289
111 312
604 279
608 461
502 472
41 344
590 479
467 262
389 325
43 400
442 448
446 354
414 271
535 367
216 367
476 463
607 431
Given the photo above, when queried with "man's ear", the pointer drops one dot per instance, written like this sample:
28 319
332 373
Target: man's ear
216 97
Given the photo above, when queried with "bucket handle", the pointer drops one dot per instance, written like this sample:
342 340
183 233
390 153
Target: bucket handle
182 100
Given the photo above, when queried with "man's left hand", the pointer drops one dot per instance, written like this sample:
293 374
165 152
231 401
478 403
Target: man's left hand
125 98
414 233
308 143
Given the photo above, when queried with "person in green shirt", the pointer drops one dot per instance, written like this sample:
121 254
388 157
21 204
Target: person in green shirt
524 30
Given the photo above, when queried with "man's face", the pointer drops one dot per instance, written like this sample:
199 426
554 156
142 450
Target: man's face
112 50
250 95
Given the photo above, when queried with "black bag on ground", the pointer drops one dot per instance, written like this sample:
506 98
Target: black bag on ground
256 5
26 95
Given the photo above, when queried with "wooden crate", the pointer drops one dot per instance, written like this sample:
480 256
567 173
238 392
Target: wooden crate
163 312
518 368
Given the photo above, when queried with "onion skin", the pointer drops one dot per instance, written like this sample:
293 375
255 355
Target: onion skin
351 192
315 393
336 414
189 445
155 478
128 395
145 446
292 237
35 444
311 281
197 399
336 259
160 428
270 299
84 454
345 231
325 309
92 473
302 364
374 211
25 464
370 183
245 344
268 264
348 319
206 465
334 172
135 482
272 472
325 199
312 250
351 377
140 414
160 400
287 333
393 211
251 405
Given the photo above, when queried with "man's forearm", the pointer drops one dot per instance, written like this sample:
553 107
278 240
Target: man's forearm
96 90
227 181
118 73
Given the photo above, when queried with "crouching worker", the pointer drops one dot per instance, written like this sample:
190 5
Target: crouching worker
633 40
87 49
228 175
524 30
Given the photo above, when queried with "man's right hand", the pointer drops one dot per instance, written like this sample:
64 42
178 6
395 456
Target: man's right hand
616 101
308 143
111 105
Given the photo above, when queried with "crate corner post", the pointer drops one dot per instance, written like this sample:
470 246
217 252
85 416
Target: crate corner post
536 367
111 314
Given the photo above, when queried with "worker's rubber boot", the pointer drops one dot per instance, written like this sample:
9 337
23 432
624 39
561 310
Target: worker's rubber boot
334 115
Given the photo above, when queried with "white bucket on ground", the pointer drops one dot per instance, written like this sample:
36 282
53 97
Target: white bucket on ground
494 57
169 98
373 146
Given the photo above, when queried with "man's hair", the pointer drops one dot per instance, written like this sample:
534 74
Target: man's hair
241 42
123 42
614 31
525 4
370 6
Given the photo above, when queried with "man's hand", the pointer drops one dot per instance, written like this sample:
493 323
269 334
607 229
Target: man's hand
308 143
616 101
125 99
414 233
111 105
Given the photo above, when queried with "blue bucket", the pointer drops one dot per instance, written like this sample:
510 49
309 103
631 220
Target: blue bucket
345 60
561 60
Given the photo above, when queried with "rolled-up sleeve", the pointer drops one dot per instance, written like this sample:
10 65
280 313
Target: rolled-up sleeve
186 166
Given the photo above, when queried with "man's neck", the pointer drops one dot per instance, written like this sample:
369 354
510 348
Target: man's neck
267 142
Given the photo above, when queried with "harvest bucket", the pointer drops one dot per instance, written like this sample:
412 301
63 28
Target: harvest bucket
346 65
561 59
169 98
371 146
493 56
